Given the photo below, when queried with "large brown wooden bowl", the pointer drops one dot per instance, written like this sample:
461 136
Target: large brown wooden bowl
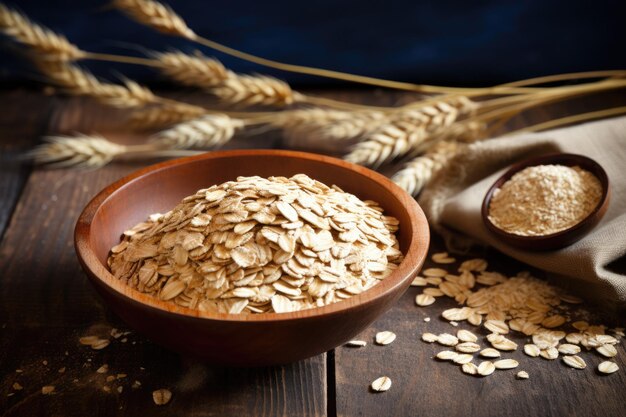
236 339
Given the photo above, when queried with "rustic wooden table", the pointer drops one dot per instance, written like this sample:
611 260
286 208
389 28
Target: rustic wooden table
46 305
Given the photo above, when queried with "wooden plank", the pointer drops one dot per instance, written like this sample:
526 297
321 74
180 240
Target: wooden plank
23 117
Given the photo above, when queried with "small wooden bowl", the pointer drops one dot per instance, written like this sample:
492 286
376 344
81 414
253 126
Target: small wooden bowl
565 237
235 339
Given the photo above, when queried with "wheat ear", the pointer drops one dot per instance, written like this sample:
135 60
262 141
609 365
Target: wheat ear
325 130
91 152
155 15
41 39
416 174
251 90
194 71
76 80
204 132
82 151
407 129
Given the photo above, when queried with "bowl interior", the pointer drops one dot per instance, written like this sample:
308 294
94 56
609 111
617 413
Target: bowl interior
564 237
160 188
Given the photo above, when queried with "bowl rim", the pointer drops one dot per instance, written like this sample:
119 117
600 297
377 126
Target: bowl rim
408 268
557 158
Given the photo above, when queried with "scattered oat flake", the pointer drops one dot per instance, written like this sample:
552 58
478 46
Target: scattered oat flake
136 384
442 258
45 363
568 349
575 361
522 375
385 338
446 355
490 353
608 351
466 336
381 384
486 368
435 272
447 339
429 337
532 350
120 389
61 370
467 347
161 396
469 368
419 282
506 364
550 353
88 340
103 369
608 367
47 389
426 319
356 343
424 300
17 386
462 358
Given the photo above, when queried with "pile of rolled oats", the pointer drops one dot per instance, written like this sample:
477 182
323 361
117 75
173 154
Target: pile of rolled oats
503 305
258 245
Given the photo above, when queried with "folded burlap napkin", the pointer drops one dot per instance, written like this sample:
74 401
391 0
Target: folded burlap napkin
453 201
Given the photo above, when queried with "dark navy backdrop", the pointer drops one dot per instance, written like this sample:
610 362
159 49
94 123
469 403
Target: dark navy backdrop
447 41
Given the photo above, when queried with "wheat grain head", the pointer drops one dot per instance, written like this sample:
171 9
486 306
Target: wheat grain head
251 90
416 174
156 15
407 129
204 132
76 152
50 45
194 71
78 81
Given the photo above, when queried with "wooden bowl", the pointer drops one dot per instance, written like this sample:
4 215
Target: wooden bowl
565 237
236 339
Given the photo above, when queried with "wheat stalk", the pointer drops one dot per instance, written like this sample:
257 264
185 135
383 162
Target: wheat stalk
204 132
248 90
194 71
39 38
326 130
407 129
155 15
416 174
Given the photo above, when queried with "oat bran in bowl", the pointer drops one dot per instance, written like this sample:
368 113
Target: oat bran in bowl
243 339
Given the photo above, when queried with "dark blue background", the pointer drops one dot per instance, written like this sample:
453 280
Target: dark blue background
448 41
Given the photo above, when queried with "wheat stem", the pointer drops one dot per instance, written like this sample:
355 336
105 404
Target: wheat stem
551 124
124 59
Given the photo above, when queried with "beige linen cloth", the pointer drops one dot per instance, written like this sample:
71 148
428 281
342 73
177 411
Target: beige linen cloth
453 201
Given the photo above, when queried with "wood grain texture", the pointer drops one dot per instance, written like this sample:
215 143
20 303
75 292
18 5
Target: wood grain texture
23 118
